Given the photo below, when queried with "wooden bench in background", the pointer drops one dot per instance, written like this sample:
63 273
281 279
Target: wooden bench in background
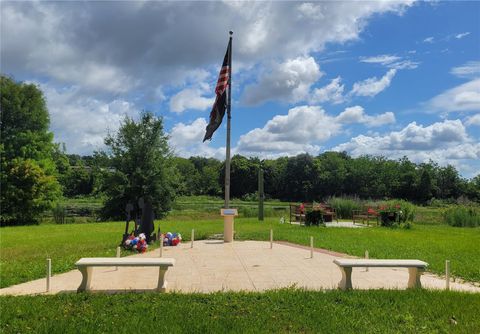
298 215
415 269
329 213
86 264
366 215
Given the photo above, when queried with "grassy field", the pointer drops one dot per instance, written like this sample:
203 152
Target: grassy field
282 311
85 210
23 250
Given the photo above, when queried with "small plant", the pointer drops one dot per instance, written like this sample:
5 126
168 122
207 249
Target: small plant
58 213
314 217
397 214
463 216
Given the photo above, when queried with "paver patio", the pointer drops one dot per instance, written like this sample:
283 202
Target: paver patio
243 265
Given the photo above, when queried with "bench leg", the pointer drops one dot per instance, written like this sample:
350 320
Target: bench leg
86 278
162 283
414 275
346 282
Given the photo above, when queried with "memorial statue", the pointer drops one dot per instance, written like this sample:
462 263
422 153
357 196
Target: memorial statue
143 219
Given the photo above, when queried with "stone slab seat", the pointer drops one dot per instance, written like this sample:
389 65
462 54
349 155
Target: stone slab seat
86 264
415 269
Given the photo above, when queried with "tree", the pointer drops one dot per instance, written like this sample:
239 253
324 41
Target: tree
299 179
140 166
243 175
28 171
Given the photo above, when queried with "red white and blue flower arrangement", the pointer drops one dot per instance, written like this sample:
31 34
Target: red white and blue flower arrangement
138 244
171 239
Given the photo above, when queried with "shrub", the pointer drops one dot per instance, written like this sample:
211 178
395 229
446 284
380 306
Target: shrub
252 197
345 205
314 218
58 213
251 211
463 216
248 211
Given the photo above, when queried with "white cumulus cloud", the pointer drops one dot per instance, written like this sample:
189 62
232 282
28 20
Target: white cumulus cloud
441 141
289 81
290 134
429 40
82 122
190 98
462 35
333 92
473 120
373 86
467 70
186 140
357 114
303 130
465 97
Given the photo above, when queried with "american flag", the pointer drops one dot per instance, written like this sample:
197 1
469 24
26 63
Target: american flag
220 105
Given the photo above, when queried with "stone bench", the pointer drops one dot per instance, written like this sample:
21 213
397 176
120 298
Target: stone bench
415 269
86 264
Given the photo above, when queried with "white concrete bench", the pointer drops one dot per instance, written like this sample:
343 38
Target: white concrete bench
415 269
86 264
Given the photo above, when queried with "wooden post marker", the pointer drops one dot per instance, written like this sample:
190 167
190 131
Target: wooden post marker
366 256
49 273
118 255
311 247
271 238
160 254
193 237
447 274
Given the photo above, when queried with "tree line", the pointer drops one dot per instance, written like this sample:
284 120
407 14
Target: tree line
299 178
137 162
308 178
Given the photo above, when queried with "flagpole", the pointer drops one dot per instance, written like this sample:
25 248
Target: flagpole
229 116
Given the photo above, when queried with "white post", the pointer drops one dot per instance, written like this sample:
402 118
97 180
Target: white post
447 274
271 238
366 256
193 236
49 273
118 255
311 247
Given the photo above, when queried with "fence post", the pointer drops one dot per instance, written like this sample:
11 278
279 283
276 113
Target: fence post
193 237
447 274
49 273
271 238
366 256
311 247
161 249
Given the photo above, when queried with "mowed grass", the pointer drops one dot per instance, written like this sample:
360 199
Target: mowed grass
281 311
23 250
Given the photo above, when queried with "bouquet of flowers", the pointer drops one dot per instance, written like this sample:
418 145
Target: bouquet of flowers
171 239
134 243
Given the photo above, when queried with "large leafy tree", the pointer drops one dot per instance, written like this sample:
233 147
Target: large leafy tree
140 166
28 171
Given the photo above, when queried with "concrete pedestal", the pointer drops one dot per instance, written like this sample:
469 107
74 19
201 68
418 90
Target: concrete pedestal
228 223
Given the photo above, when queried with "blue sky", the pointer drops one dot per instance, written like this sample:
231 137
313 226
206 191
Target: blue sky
380 78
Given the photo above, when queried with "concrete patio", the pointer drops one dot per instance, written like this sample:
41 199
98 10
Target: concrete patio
243 265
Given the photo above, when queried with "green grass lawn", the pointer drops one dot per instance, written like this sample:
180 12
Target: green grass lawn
282 311
23 250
